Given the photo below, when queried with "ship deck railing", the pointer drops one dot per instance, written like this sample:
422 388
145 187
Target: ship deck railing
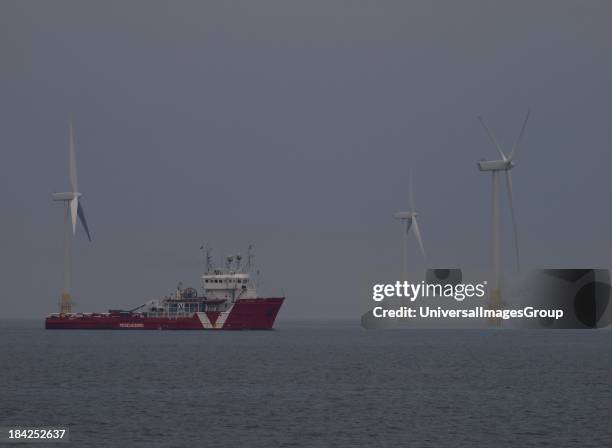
170 315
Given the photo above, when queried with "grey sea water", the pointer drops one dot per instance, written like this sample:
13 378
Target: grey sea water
310 384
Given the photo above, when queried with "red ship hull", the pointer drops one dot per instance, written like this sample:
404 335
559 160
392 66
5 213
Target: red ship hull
244 314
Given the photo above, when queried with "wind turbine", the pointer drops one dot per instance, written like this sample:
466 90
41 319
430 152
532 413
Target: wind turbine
73 208
505 164
409 221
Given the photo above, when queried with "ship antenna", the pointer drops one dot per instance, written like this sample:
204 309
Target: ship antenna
209 263
250 256
207 256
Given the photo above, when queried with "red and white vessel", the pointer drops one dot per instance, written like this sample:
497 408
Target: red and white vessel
229 302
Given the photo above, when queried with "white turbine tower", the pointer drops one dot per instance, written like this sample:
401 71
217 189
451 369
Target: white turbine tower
505 164
74 208
409 219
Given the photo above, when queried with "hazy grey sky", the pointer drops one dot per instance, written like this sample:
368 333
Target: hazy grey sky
293 125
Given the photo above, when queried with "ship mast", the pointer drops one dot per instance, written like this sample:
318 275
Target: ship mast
250 256
208 262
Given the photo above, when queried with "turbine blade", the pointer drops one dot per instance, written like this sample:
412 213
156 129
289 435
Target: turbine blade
417 233
81 214
74 205
514 227
410 191
518 139
408 225
72 162
492 138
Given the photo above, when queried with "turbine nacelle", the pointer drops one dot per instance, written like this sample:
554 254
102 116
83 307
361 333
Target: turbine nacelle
496 165
65 196
404 215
